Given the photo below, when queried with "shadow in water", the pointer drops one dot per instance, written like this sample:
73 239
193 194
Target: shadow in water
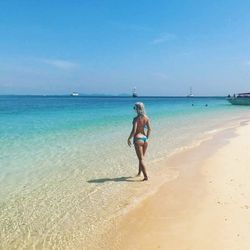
117 179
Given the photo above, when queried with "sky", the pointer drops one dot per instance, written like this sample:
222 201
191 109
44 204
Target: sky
108 47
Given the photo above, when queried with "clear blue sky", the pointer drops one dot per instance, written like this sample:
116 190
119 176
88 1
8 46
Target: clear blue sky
162 47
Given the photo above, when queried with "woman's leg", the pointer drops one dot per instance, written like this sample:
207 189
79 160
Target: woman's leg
145 146
138 156
139 152
139 169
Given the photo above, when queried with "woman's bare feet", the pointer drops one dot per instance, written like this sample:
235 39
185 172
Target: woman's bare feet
145 179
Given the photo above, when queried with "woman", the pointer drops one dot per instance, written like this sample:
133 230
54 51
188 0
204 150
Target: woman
140 123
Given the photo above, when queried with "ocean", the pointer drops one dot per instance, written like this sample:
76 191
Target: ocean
66 169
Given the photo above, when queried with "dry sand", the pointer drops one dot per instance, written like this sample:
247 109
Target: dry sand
206 207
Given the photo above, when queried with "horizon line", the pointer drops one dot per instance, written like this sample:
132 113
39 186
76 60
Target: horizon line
110 95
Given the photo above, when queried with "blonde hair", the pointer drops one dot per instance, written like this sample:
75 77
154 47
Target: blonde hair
140 109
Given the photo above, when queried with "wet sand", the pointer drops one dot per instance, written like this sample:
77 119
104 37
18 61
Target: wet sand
206 207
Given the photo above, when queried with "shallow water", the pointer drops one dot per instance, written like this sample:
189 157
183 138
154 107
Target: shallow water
64 162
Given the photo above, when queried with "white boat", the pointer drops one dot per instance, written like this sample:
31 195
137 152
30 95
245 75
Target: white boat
134 94
190 93
74 94
239 99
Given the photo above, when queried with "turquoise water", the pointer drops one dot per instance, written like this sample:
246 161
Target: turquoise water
64 160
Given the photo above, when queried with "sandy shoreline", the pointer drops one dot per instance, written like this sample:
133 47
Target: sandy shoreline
206 207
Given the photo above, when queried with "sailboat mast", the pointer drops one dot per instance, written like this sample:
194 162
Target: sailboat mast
134 94
191 91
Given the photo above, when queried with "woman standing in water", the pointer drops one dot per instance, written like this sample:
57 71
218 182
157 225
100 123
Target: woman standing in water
140 123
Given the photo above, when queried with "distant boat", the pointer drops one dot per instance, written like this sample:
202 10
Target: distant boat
134 93
190 93
74 94
239 99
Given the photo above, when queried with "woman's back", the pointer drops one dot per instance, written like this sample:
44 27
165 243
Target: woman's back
141 122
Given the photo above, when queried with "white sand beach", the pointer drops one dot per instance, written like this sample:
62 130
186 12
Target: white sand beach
206 207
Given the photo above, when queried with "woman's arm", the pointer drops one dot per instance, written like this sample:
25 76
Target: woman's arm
132 133
148 128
